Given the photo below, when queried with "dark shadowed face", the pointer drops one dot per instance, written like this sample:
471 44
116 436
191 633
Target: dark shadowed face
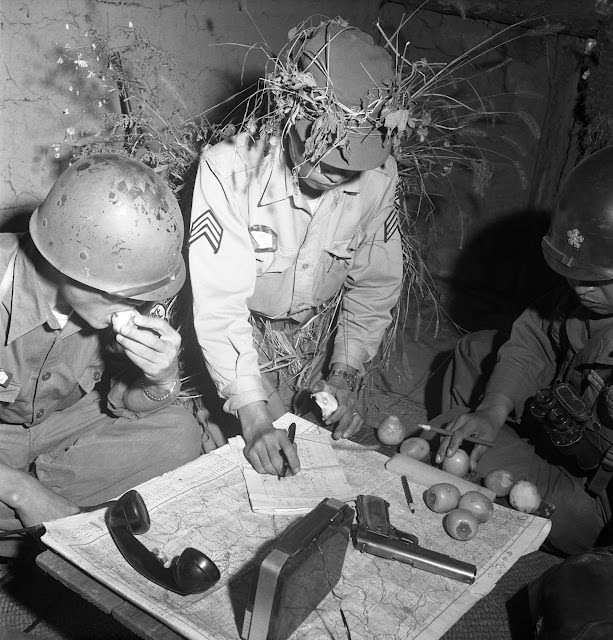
320 177
597 296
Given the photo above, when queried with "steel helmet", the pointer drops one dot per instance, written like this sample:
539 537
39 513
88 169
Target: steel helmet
113 224
579 243
360 74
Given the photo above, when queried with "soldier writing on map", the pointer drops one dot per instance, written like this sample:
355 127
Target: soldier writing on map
294 239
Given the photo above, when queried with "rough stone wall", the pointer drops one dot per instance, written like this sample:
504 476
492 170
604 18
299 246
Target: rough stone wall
39 101
484 240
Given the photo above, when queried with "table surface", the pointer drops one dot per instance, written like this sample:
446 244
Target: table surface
146 625
130 616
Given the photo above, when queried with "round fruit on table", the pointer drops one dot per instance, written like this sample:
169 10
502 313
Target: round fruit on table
390 431
524 496
461 524
442 497
478 504
415 447
457 464
499 481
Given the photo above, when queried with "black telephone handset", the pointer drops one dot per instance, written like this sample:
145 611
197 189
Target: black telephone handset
191 572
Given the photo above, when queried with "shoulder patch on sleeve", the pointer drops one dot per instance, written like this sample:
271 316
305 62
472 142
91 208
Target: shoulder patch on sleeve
391 225
206 225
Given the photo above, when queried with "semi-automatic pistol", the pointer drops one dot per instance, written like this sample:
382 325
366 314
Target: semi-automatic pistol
374 534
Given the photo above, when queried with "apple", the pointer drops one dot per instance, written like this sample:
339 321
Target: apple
415 447
524 496
442 497
478 504
461 524
457 464
390 431
499 481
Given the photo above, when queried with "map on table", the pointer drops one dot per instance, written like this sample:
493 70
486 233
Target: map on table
205 505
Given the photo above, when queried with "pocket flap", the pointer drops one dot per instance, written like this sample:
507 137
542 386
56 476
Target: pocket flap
341 249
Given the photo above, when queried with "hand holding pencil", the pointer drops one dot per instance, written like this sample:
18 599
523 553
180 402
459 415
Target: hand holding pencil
479 427
446 432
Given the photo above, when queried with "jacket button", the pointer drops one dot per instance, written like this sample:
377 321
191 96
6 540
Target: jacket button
46 376
39 413
97 376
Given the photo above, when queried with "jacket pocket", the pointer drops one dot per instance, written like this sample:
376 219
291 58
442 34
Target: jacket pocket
85 384
277 262
334 266
90 378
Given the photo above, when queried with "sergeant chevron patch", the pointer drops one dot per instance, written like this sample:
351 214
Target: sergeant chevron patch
391 224
207 225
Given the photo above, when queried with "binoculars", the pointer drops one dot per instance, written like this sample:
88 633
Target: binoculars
563 413
569 424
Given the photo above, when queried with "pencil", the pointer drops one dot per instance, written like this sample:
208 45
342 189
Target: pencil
445 432
291 434
407 493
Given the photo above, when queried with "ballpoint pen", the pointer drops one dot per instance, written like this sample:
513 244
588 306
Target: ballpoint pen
291 434
407 493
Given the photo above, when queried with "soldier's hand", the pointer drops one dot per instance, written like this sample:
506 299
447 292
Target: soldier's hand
266 448
478 424
347 416
153 346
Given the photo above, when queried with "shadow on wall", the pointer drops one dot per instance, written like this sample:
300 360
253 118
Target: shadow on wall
500 272
17 222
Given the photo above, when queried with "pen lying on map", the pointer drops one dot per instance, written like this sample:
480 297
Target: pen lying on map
445 432
291 434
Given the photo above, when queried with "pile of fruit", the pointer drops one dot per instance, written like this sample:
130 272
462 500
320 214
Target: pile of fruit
464 513
523 495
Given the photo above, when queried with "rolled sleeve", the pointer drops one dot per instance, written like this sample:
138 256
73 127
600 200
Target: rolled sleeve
527 362
222 272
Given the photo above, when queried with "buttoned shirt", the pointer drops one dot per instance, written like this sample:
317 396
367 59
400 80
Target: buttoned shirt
258 245
47 367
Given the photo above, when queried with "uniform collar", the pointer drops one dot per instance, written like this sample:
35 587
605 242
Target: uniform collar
30 309
279 182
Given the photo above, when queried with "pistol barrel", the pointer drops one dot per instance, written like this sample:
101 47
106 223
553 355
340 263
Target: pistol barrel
410 553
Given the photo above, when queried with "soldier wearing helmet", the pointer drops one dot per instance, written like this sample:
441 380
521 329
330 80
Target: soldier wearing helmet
552 378
87 402
286 217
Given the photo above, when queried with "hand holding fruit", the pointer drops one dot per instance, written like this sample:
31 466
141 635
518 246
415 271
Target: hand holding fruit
345 414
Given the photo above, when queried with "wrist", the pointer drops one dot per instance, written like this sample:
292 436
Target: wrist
254 417
158 391
344 376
